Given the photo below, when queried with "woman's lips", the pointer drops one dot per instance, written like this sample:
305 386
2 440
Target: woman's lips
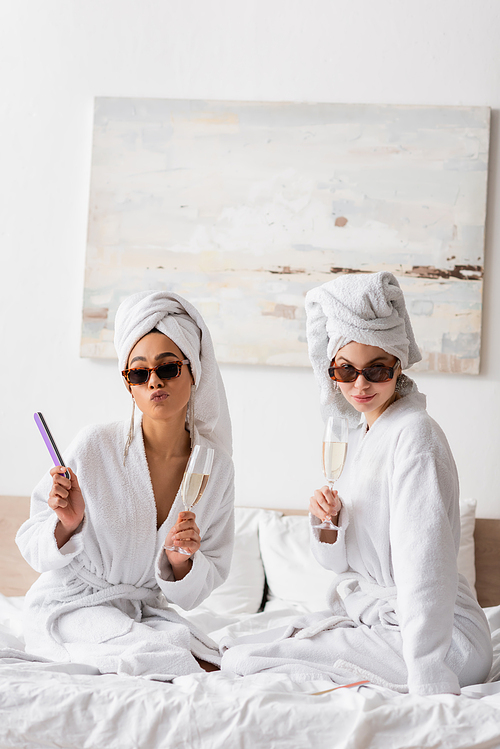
363 398
158 396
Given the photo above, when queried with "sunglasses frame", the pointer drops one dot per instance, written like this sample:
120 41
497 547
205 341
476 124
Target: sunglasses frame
389 370
150 370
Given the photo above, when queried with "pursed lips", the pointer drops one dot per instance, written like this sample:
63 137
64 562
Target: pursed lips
158 395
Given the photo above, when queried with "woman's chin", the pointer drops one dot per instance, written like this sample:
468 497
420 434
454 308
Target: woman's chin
363 405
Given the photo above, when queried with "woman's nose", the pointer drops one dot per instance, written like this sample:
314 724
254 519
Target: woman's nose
360 383
155 381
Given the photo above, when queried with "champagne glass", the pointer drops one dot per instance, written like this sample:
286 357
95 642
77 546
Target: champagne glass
194 482
334 455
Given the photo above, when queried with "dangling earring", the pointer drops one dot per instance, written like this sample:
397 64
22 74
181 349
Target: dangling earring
130 432
191 415
400 382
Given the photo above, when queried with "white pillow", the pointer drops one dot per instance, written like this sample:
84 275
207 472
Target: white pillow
242 592
466 552
294 575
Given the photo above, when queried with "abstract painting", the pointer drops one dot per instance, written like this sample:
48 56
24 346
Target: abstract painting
242 207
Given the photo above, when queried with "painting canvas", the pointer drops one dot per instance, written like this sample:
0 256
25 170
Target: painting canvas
242 207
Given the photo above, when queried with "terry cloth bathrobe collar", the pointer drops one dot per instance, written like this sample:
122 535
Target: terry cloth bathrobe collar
180 321
365 308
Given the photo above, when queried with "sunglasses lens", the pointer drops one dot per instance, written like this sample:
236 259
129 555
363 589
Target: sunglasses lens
138 376
377 374
168 371
344 374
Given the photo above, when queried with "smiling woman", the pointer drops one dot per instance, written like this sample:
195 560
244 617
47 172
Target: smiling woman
365 377
114 536
400 614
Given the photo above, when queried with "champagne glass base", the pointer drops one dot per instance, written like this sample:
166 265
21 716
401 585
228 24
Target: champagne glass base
327 525
178 549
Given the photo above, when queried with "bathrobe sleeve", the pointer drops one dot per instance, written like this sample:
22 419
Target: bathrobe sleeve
211 562
36 539
424 537
331 556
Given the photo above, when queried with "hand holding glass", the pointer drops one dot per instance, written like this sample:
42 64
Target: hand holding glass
194 482
334 455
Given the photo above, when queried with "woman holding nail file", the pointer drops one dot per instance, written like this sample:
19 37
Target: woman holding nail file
113 541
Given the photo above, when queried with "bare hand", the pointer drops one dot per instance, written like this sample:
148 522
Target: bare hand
325 504
66 499
186 534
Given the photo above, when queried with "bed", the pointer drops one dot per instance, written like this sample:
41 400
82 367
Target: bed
273 576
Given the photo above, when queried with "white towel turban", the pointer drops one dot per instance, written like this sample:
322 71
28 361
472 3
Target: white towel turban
176 318
365 308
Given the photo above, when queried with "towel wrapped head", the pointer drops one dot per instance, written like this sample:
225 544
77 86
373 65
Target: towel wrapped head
364 308
180 321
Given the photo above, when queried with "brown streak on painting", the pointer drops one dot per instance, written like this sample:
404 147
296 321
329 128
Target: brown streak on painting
286 269
449 363
461 272
348 270
283 310
100 313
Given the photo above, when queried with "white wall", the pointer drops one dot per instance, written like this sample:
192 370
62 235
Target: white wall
57 55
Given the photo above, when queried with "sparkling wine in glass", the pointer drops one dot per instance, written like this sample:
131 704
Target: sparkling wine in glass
334 455
194 481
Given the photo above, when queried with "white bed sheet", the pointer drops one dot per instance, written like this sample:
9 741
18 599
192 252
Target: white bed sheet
49 705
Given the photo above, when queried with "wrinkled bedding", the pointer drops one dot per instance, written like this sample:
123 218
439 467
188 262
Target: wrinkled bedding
44 704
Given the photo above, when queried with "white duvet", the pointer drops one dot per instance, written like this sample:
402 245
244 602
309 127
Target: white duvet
49 705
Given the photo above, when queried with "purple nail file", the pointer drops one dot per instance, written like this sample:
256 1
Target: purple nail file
49 441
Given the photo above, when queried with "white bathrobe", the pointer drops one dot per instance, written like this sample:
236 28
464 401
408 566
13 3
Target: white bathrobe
400 616
103 598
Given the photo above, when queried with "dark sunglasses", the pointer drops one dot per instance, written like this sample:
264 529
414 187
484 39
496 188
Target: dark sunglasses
348 373
141 375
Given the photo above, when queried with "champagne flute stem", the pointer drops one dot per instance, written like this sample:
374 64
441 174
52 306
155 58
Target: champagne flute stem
328 523
328 518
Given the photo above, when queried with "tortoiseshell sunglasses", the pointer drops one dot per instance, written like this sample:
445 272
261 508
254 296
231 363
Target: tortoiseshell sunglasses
141 375
348 373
